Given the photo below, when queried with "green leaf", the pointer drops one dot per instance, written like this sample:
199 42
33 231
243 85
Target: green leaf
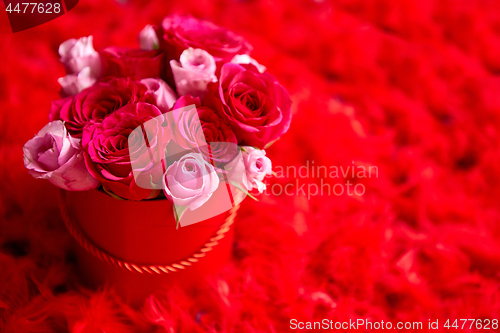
270 144
242 190
178 212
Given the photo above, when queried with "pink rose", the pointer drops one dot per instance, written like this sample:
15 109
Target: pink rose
201 129
76 54
54 155
94 103
177 33
83 65
148 38
138 64
194 71
164 95
257 166
72 84
190 181
255 104
109 145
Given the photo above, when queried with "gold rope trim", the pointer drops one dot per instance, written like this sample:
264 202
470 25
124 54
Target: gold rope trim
102 255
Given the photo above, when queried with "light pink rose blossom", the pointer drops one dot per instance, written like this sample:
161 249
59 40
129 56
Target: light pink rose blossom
76 54
257 166
193 72
148 38
54 155
165 96
246 59
82 62
72 84
190 181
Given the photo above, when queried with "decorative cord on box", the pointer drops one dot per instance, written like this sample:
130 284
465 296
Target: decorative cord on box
166 268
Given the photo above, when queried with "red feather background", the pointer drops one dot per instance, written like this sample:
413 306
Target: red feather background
411 87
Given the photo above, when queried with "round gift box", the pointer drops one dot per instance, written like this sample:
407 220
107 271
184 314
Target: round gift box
135 246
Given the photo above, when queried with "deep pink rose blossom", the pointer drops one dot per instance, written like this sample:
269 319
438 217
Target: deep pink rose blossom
108 149
256 105
54 155
178 33
94 103
201 129
190 181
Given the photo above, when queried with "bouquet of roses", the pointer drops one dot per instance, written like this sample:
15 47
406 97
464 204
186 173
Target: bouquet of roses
187 112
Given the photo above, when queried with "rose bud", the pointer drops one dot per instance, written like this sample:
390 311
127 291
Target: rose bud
201 129
178 33
190 181
256 105
109 148
94 103
148 39
257 166
194 71
54 155
83 65
164 95
76 54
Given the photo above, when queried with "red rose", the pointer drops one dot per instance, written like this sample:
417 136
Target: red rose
256 105
108 149
138 64
177 33
97 101
201 129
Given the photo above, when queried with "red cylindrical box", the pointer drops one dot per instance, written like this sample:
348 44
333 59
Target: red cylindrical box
134 246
